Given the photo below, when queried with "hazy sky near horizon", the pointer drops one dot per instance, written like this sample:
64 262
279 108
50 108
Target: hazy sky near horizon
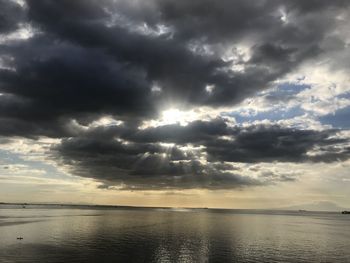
229 103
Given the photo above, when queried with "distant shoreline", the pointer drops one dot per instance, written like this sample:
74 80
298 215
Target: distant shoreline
95 206
103 206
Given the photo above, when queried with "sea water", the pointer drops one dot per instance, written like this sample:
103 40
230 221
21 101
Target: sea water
93 234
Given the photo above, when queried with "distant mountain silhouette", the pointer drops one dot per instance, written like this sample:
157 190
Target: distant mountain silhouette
317 206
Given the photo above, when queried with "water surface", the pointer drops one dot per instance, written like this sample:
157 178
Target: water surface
82 234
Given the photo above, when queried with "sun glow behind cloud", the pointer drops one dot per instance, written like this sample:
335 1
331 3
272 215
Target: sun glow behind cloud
173 116
155 101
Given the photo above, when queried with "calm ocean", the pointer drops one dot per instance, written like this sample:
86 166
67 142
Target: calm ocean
63 234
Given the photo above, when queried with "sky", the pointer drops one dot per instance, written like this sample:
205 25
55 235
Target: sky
228 103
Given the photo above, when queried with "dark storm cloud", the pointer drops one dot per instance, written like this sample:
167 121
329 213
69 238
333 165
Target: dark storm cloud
89 58
194 132
11 15
66 80
141 160
166 59
252 144
86 59
273 143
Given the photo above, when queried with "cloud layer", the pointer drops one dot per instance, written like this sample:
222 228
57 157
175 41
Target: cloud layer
95 74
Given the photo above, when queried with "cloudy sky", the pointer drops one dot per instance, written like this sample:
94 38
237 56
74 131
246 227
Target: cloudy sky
229 103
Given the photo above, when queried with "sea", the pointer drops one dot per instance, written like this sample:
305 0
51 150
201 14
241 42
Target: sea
59 233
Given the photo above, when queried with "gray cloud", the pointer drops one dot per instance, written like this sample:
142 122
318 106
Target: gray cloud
11 15
53 69
141 160
269 144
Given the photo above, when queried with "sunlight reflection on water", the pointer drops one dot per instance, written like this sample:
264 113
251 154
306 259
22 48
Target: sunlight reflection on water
155 235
